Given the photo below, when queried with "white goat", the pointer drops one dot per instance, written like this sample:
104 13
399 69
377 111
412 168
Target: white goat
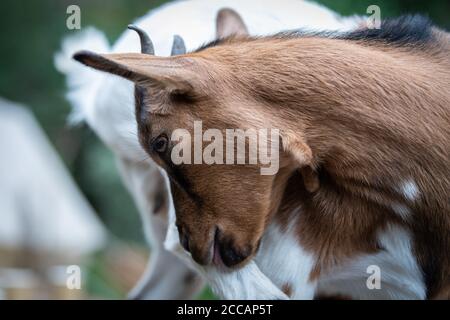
40 204
106 103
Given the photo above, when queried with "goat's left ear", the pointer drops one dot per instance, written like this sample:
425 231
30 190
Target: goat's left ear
300 152
228 23
170 73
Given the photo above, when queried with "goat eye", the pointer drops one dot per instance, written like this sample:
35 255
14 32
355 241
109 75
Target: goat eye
160 144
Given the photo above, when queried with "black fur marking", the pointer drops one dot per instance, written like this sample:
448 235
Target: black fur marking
140 108
409 29
176 176
401 31
211 44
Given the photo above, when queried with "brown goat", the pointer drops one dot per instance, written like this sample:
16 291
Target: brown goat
364 116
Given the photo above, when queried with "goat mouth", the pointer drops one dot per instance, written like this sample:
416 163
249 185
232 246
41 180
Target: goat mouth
216 257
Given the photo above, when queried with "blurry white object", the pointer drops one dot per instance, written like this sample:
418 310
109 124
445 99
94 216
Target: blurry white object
40 205
106 103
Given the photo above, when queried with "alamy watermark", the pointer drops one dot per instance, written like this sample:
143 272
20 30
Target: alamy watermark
373 282
73 280
235 146
73 21
374 20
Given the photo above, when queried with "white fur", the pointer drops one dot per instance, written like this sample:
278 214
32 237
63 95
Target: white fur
409 190
285 262
401 277
106 102
247 283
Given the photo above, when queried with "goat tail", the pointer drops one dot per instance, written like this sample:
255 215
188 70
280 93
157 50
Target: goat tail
82 82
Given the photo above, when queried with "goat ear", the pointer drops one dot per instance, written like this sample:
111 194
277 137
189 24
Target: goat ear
301 154
170 73
310 179
229 22
298 149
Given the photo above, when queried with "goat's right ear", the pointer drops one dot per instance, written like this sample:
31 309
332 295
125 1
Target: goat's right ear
228 23
166 72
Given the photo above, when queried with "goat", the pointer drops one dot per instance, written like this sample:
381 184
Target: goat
106 103
365 147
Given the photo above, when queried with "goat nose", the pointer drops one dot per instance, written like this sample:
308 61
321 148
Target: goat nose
232 255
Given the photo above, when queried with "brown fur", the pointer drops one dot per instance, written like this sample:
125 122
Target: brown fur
287 289
361 117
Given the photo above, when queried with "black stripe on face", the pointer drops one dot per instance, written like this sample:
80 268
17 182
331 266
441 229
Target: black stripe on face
140 94
176 175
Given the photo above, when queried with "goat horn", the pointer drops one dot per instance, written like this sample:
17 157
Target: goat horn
178 46
146 43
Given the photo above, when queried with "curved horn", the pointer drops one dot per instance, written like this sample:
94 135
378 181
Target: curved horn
178 46
146 43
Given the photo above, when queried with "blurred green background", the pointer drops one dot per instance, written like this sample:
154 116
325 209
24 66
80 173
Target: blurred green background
31 32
